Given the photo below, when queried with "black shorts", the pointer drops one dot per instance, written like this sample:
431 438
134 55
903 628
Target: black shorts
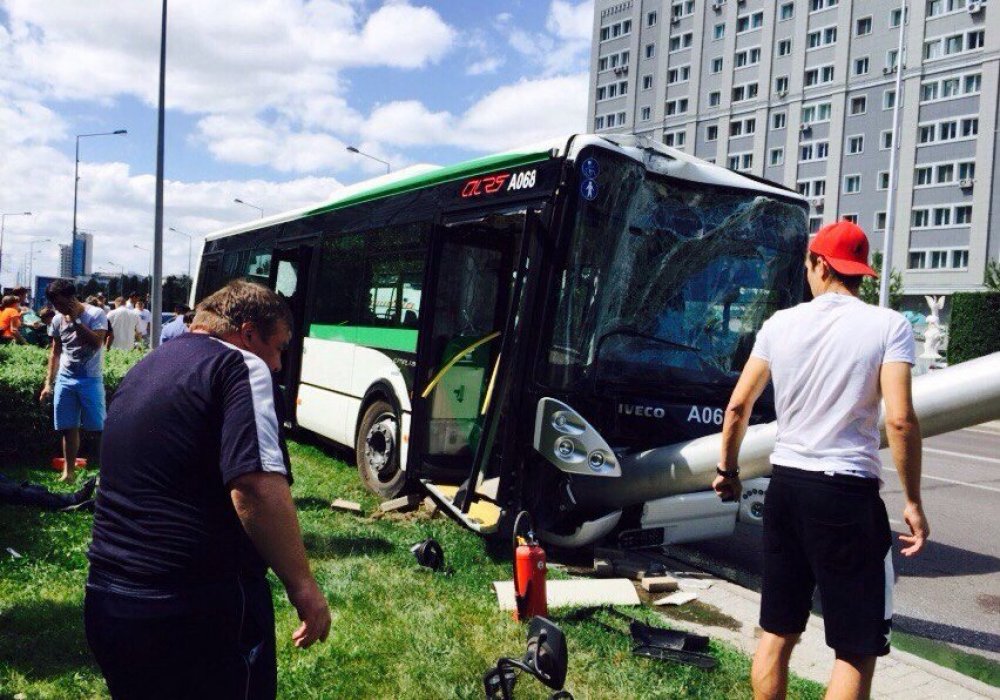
830 532
213 643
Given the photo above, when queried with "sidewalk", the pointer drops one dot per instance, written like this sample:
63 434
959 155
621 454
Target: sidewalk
898 675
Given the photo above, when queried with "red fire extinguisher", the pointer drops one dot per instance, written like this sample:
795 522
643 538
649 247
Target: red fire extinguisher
529 572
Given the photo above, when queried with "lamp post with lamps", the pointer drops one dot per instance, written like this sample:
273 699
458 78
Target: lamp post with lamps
76 174
149 263
3 225
190 240
121 276
31 259
252 206
388 168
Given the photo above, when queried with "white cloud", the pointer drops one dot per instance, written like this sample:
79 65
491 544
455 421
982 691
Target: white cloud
485 66
565 45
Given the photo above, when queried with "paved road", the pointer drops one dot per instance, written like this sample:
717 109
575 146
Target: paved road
951 592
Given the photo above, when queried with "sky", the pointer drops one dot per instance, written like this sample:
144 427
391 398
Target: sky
262 99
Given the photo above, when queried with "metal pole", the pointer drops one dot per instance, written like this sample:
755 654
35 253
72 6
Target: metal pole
76 188
890 208
157 297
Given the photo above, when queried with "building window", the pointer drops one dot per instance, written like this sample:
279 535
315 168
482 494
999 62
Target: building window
645 114
923 176
651 19
880 221
598 123
863 26
675 139
819 5
853 218
719 31
859 105
647 82
785 47
921 218
967 170
821 37
717 64
711 132
892 59
678 75
883 180
815 222
939 259
787 11
682 41
817 150
816 113
852 184
776 156
778 120
918 260
942 216
855 145
960 259
885 140
963 214
897 15
861 66
888 99
748 23
714 98
650 50
741 161
781 84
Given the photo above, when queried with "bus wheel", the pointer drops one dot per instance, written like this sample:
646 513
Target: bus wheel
377 451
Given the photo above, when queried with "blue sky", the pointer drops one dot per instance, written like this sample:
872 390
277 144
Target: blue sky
263 98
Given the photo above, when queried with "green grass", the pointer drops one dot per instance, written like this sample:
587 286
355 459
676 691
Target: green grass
398 631
972 665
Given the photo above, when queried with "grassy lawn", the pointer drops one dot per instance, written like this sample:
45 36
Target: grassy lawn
398 631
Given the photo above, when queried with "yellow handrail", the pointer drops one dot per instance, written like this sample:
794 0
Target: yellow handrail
489 389
451 363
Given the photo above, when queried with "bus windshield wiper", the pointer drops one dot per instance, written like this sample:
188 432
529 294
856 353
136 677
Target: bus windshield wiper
625 330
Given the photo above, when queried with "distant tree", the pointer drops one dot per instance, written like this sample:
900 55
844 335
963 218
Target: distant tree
992 277
91 286
175 291
870 287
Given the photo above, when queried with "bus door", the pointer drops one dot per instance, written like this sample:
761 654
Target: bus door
472 270
289 275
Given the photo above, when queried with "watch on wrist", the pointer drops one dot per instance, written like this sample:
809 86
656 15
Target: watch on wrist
727 473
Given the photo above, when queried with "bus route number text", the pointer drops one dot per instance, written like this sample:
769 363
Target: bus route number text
491 184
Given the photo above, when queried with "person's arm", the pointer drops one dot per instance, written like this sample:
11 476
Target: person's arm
110 338
754 378
263 502
903 432
93 338
55 350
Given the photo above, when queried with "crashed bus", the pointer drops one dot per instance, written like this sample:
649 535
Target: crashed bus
522 331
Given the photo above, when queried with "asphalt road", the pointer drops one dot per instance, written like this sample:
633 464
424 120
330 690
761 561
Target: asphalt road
951 592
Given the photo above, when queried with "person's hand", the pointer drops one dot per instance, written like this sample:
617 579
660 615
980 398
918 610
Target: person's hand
311 605
913 516
728 488
45 393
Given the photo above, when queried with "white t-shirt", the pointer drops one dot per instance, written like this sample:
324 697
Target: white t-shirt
145 318
825 357
124 323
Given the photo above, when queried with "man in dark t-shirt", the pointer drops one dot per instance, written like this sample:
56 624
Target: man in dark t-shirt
194 506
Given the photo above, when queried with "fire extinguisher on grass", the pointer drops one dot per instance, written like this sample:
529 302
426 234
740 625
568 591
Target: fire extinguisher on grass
529 572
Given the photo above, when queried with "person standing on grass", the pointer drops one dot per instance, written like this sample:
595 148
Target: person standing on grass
124 325
194 506
75 376
825 526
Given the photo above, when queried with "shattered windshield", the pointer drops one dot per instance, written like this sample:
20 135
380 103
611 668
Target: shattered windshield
668 281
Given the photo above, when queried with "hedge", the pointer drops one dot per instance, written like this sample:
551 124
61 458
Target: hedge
27 422
975 326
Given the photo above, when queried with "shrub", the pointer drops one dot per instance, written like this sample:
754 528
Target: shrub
975 326
26 421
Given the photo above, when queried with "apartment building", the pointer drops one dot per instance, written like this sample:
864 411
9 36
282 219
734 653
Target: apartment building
802 92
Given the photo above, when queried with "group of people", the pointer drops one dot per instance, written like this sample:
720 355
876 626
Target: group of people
194 503
19 324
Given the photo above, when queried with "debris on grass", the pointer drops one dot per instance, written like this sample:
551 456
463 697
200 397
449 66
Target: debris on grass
575 593
693 584
677 598
13 552
659 584
401 504
343 506
604 568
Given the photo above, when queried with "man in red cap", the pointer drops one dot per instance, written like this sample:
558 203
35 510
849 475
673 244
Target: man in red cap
831 360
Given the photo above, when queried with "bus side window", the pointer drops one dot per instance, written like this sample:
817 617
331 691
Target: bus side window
340 282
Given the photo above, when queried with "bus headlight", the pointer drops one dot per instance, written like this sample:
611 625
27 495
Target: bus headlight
569 442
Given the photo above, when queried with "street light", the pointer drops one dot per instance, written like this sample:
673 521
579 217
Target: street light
76 176
31 259
190 239
3 225
121 277
149 263
352 149
252 206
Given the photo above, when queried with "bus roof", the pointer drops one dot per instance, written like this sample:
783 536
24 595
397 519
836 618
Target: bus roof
655 156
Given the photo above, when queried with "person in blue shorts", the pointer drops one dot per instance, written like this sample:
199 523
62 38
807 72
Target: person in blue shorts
75 376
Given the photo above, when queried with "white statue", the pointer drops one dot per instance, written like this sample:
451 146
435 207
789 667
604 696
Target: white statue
933 336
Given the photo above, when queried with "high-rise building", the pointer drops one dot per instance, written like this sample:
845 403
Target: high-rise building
83 254
65 261
802 92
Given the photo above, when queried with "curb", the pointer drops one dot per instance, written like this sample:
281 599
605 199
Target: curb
898 675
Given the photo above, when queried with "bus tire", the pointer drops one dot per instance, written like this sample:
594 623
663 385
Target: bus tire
377 451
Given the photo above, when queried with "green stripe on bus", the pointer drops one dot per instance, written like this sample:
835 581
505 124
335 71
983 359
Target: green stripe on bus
402 339
436 177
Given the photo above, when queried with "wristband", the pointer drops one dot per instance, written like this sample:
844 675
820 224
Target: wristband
727 473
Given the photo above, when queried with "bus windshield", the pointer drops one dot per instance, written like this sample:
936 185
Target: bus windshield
667 281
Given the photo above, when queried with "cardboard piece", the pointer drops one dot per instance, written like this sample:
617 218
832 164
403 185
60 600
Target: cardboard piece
677 598
693 584
575 593
659 584
347 506
403 503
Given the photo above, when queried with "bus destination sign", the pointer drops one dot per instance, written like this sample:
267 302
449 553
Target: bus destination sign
485 185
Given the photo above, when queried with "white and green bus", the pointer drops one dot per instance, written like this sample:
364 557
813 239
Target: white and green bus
511 331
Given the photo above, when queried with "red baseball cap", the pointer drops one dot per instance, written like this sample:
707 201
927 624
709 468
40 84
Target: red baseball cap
845 247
